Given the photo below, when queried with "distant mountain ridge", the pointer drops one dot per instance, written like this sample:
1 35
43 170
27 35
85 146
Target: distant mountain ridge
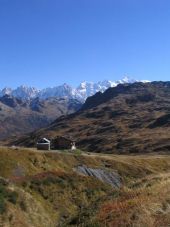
81 93
18 116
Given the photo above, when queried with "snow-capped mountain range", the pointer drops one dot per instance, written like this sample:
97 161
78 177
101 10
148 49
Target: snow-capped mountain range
84 90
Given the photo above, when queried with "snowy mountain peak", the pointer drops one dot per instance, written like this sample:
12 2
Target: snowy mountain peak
5 91
126 79
25 92
85 84
84 90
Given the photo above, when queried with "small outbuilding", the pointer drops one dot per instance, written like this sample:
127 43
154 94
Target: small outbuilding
62 142
43 144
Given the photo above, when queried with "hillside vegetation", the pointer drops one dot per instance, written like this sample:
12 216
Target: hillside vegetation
39 189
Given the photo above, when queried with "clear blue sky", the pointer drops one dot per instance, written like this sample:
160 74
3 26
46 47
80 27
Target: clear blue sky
49 42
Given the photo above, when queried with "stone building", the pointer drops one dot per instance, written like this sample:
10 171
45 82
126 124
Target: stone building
62 142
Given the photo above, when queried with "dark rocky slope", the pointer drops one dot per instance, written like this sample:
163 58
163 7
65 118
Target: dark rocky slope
130 118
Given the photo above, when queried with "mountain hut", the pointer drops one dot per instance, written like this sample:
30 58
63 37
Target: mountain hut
43 144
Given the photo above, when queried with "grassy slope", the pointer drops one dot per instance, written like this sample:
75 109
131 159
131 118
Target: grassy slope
46 191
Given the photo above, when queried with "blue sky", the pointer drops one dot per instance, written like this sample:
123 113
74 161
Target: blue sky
49 42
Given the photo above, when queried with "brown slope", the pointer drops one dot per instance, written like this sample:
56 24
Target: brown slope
126 119
18 117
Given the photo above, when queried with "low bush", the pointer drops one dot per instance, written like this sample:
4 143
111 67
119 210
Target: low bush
23 206
12 197
2 205
6 195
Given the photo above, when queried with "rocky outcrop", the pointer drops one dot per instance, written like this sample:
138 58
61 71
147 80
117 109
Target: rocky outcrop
109 177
